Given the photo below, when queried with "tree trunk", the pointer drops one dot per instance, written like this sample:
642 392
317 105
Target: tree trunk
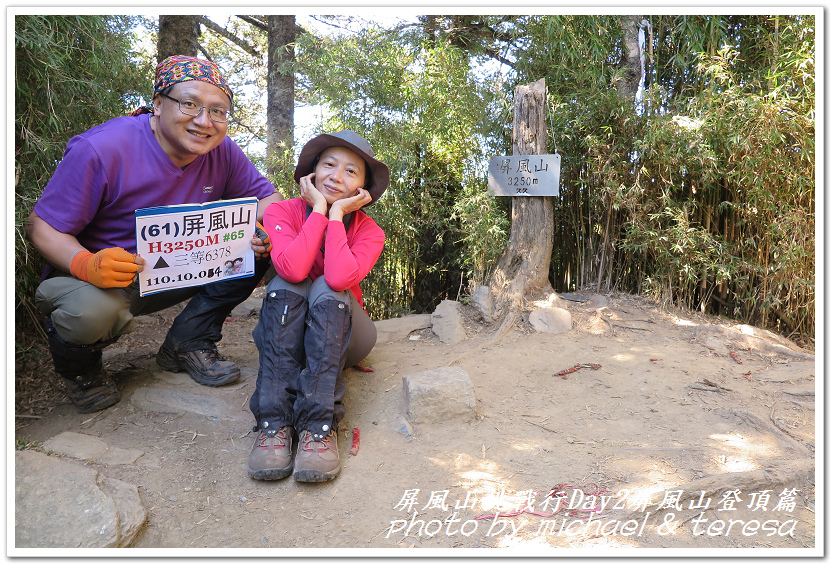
632 62
178 35
280 113
524 266
430 27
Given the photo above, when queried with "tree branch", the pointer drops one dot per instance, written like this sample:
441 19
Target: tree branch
484 30
254 22
404 25
326 22
495 54
244 45
204 52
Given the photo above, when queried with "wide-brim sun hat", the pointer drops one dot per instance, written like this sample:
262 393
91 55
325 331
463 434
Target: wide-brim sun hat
379 171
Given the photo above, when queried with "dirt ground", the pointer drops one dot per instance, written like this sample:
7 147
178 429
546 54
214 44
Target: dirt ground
658 404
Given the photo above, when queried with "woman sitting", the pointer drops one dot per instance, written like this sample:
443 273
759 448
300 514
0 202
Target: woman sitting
312 322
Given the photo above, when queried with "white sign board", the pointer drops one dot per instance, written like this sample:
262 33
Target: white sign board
195 244
524 175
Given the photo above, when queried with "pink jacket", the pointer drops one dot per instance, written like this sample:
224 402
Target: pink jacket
298 251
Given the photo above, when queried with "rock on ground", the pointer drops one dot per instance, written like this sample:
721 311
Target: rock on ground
60 504
394 329
554 321
82 446
439 395
447 323
722 339
173 401
483 302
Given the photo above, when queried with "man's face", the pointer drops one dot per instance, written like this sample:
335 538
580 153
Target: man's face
184 137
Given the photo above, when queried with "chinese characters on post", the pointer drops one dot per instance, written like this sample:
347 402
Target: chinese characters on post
525 175
195 244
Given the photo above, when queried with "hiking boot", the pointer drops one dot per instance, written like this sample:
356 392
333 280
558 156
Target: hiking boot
204 366
86 382
317 461
92 393
271 456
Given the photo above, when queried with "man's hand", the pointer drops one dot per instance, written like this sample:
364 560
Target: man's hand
261 243
110 267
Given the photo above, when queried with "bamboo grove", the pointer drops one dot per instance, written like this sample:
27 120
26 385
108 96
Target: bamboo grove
706 197
699 191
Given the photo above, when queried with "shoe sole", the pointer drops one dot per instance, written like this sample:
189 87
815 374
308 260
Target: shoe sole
270 474
213 382
174 366
315 475
98 406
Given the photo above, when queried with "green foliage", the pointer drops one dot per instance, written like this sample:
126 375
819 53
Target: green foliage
576 54
247 75
758 193
283 161
722 211
71 73
485 227
701 193
418 105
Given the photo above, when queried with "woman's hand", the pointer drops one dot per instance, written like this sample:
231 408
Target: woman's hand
343 207
312 196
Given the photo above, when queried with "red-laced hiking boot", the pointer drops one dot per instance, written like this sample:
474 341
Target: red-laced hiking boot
271 457
317 461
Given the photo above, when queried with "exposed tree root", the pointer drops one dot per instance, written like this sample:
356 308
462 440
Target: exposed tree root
614 324
770 477
506 325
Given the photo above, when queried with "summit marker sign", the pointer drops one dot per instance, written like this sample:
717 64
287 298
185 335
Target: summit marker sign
524 175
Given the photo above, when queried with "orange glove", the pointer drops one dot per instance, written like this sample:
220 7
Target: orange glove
266 240
110 267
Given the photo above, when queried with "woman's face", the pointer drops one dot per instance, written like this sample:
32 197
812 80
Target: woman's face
339 173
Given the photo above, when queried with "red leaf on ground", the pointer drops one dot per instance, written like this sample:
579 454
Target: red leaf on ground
355 441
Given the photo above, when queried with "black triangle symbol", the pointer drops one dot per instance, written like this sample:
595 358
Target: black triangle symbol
161 264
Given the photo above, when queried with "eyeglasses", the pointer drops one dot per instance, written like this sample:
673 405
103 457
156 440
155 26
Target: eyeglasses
193 109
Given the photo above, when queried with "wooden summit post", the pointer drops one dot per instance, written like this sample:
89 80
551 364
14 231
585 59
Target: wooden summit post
524 266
